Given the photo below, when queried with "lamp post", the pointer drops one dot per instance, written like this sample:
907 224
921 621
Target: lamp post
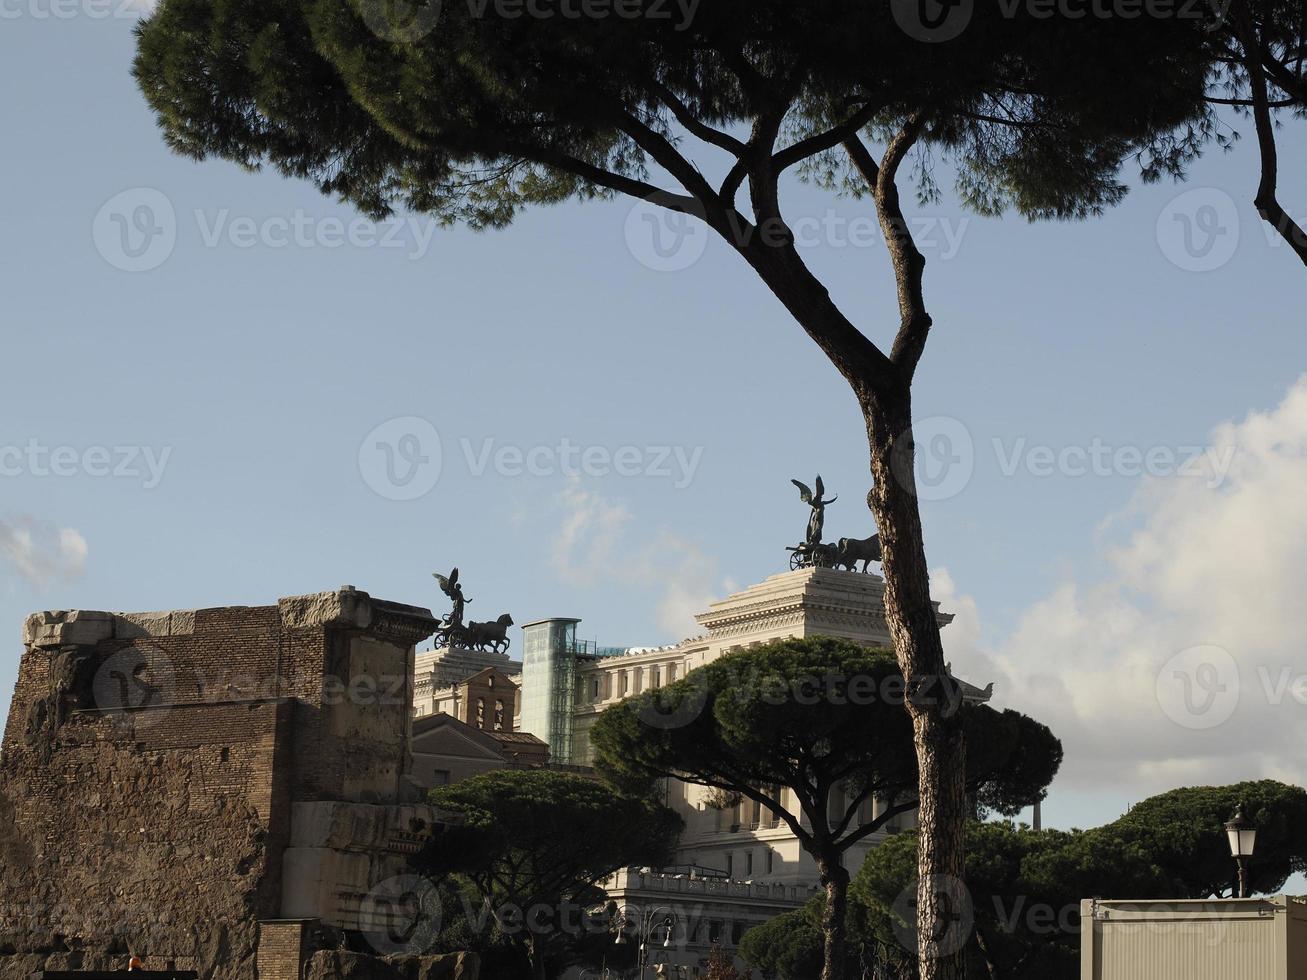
1243 838
645 928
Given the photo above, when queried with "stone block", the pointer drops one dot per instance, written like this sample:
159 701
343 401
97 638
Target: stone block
67 628
345 607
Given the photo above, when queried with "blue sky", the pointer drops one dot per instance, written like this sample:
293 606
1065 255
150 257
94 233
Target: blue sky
254 361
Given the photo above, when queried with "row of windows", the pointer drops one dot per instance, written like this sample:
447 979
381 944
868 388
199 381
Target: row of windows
740 864
481 714
618 683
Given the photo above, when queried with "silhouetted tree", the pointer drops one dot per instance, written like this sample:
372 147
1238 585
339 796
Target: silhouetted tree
812 729
535 843
475 111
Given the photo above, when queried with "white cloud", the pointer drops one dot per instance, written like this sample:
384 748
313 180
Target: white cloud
41 553
1183 665
594 544
583 549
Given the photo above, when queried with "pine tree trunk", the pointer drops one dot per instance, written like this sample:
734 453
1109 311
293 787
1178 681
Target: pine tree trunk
536 958
884 394
834 921
941 754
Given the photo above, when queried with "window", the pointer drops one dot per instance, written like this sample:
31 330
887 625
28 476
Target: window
730 865
748 872
595 695
499 716
657 676
481 712
771 860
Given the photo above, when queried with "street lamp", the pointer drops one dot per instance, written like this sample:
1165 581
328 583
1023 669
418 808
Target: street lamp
646 926
1243 838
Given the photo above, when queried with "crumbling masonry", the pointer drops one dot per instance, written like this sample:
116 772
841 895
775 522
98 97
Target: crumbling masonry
212 789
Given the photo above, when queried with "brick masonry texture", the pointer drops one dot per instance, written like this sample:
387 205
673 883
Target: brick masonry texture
157 827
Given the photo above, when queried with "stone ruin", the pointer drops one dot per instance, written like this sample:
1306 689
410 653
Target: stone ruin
218 790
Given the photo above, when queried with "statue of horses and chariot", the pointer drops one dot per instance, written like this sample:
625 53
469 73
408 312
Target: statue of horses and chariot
844 553
453 632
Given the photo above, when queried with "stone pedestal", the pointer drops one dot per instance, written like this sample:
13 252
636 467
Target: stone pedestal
805 602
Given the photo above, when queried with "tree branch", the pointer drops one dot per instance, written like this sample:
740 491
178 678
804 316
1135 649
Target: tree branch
820 142
863 832
1266 201
683 203
908 262
694 125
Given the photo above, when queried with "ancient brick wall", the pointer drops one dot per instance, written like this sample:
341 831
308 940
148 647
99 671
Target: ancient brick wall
151 762
162 840
281 950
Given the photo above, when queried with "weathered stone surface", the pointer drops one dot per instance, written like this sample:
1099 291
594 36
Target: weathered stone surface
451 966
161 826
344 607
63 628
175 622
342 965
112 852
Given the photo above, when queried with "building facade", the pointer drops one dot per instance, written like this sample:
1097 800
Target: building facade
737 866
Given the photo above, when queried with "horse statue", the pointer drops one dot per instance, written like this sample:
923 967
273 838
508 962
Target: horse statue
490 636
850 551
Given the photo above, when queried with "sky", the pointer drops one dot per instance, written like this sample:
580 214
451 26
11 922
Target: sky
221 388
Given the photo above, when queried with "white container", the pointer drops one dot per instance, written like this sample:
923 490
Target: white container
1209 939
